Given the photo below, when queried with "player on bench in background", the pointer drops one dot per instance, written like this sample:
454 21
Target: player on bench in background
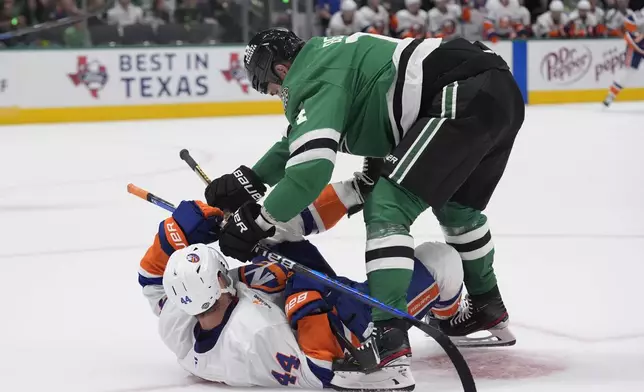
230 327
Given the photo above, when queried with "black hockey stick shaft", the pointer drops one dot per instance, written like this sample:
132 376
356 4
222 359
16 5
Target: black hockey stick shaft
187 158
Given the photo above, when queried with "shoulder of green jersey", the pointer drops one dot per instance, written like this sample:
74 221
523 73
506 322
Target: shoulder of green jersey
312 145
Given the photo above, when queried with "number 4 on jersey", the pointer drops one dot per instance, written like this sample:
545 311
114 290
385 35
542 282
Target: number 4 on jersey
288 363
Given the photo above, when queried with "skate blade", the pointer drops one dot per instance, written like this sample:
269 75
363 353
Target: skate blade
498 337
408 388
395 378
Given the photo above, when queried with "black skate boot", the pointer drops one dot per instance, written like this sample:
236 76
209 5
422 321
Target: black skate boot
484 312
608 100
382 362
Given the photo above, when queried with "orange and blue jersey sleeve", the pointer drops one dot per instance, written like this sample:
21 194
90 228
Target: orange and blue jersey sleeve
169 238
189 224
329 208
317 315
151 271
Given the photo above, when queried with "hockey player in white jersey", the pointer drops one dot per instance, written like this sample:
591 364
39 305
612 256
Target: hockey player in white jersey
634 37
583 23
551 23
443 13
504 22
345 21
616 17
223 331
597 11
229 327
474 14
524 14
411 21
373 18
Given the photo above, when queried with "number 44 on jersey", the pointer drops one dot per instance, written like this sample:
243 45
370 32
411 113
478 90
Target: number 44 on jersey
288 363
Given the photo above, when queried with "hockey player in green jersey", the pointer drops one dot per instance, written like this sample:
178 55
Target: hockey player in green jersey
443 115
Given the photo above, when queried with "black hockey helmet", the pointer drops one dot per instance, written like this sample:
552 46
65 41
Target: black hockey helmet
264 50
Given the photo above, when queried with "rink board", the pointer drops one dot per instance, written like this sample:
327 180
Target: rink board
561 71
60 85
64 85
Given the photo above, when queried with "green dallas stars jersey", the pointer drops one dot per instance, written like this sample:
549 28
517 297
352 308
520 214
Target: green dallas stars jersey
340 94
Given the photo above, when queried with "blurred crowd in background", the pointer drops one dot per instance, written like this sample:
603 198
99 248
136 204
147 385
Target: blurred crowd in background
178 22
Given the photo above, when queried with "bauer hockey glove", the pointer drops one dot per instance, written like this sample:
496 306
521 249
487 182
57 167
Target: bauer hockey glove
193 222
305 297
364 182
242 232
230 191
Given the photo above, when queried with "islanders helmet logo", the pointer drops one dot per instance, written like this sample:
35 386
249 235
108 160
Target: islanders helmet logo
193 258
91 74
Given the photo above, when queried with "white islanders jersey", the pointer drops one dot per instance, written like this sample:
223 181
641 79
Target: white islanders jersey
407 20
546 24
254 346
615 18
337 26
436 18
368 17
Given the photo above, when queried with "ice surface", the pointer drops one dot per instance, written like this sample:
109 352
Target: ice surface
567 219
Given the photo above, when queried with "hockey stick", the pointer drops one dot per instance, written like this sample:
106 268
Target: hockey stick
55 23
462 368
443 340
145 195
187 158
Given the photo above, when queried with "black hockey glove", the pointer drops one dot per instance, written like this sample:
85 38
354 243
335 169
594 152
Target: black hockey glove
230 191
241 233
365 181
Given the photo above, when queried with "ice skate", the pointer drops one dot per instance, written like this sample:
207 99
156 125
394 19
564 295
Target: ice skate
480 313
608 100
381 363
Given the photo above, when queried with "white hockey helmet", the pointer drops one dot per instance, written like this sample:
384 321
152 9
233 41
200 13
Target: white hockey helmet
348 6
583 5
191 278
411 2
556 6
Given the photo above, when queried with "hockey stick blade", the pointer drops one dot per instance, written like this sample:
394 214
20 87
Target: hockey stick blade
462 368
187 158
